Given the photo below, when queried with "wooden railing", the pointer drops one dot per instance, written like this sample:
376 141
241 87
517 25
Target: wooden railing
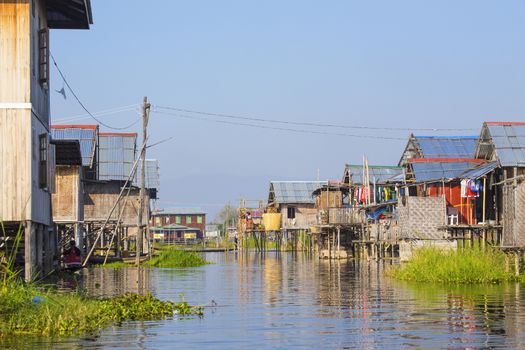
345 216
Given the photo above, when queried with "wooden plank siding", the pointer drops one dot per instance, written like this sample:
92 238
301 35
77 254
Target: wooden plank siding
15 44
67 200
15 170
99 198
305 217
24 113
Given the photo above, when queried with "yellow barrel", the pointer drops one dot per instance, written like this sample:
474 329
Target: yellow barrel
272 221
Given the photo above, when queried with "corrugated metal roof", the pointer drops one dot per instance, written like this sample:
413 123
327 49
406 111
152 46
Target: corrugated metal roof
509 141
438 170
85 134
479 171
381 174
152 174
116 155
174 227
293 192
179 211
447 146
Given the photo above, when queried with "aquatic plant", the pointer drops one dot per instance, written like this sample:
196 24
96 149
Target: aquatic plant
176 258
27 309
8 272
472 265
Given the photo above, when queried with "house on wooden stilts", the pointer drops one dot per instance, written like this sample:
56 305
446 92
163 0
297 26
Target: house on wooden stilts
295 202
27 156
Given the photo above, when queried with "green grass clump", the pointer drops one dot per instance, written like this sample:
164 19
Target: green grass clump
455 266
26 309
176 258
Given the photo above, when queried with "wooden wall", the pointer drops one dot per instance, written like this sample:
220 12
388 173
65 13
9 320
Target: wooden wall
67 199
99 198
15 169
14 54
23 114
329 199
305 217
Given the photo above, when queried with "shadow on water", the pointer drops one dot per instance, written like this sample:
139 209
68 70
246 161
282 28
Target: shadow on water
284 300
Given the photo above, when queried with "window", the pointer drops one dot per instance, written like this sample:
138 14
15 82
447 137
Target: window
188 219
42 171
199 219
43 57
291 213
178 220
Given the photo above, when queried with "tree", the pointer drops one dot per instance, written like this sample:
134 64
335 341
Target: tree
227 215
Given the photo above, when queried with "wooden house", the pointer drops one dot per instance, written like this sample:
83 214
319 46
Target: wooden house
295 202
27 157
503 144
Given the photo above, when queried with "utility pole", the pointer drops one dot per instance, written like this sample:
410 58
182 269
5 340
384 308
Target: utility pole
140 229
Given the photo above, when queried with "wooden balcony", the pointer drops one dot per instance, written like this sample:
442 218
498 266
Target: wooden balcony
345 216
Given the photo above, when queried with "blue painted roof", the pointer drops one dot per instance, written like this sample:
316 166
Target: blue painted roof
435 171
509 141
479 171
293 192
87 138
447 146
116 155
381 174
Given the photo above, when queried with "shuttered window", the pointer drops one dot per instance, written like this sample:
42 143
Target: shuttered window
42 171
43 57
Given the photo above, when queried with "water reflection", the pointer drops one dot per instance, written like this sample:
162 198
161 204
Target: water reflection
285 300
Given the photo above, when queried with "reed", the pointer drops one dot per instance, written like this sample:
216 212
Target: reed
468 266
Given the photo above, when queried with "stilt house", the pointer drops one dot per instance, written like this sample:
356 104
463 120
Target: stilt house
26 153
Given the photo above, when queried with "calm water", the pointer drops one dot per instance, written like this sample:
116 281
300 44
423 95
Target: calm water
288 300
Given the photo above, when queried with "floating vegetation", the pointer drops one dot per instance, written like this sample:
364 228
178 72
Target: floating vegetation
176 258
29 309
26 309
473 265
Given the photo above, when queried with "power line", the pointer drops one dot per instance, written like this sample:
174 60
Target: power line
326 125
82 105
280 128
105 112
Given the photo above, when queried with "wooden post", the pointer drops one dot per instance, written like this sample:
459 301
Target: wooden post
516 264
484 199
39 248
30 251
140 232
338 240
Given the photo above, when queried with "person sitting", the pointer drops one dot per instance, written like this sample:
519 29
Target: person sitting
72 255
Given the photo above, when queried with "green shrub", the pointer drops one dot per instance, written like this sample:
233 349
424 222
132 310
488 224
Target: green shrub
455 266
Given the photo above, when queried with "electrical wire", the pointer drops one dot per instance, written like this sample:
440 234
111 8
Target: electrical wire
82 105
326 125
280 128
105 112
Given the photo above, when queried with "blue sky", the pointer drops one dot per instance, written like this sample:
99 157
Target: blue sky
408 64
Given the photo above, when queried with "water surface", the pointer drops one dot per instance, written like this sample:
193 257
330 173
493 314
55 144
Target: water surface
296 301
